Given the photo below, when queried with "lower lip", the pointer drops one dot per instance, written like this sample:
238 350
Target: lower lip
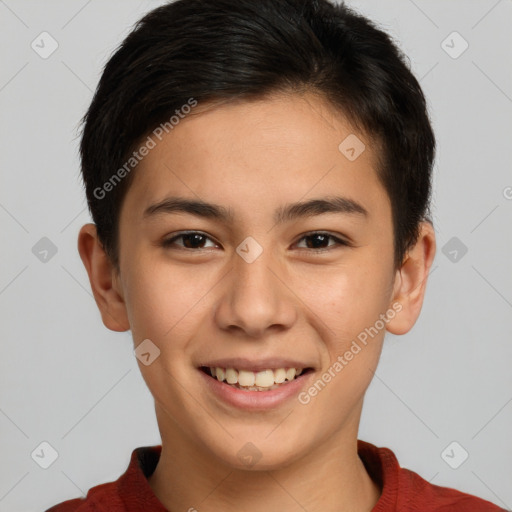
254 400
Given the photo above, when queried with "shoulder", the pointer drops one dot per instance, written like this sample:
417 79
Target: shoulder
418 494
130 491
99 498
404 490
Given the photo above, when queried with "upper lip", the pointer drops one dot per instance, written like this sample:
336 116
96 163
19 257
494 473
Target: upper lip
258 365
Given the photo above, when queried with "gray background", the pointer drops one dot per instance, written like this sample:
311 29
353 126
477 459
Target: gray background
67 380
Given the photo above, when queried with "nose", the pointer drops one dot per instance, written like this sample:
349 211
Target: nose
256 298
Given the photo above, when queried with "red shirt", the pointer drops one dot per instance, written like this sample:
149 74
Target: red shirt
402 490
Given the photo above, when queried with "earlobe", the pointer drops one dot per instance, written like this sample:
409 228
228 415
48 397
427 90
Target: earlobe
102 277
411 281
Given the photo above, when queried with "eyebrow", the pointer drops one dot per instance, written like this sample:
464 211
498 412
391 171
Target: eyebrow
286 213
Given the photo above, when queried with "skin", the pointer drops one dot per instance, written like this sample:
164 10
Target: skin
207 302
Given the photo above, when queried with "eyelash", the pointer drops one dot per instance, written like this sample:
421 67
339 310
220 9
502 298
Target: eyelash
339 242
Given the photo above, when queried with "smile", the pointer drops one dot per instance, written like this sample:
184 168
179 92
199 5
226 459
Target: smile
264 380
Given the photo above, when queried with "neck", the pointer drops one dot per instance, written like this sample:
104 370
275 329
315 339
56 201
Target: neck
331 478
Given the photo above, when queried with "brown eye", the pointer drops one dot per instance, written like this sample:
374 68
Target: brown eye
320 240
191 240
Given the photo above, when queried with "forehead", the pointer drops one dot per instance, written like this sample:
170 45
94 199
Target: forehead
285 146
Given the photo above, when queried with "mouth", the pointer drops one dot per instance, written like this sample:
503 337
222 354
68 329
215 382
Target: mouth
263 380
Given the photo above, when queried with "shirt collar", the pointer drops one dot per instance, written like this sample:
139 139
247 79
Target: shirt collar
133 485
138 496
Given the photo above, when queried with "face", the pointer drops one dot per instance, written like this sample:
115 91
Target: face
255 281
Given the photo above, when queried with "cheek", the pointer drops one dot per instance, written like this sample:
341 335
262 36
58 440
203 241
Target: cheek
163 307
348 309
162 302
347 299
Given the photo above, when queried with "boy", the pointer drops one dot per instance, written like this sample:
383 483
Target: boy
259 175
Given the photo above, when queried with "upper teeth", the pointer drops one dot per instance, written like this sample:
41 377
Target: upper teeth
264 378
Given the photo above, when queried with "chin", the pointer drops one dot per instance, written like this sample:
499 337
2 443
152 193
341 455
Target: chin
259 453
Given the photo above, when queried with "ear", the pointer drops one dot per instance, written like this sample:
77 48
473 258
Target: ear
411 281
104 280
